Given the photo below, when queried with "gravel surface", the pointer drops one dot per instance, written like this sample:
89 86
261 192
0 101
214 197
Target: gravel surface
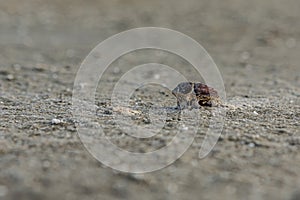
255 44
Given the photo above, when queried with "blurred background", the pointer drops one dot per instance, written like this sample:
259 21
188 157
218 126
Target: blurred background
56 31
255 44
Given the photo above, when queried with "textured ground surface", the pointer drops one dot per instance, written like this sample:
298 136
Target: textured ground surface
256 46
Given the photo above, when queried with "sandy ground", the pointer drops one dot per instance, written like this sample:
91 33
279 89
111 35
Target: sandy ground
256 47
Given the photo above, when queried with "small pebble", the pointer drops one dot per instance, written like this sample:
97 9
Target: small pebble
10 77
256 136
156 76
251 145
56 121
255 113
184 128
146 120
244 56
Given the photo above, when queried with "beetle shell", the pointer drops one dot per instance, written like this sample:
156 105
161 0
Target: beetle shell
194 95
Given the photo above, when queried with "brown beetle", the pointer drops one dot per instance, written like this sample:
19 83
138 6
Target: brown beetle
194 95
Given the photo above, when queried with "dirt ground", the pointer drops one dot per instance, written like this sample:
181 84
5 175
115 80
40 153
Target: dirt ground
256 46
